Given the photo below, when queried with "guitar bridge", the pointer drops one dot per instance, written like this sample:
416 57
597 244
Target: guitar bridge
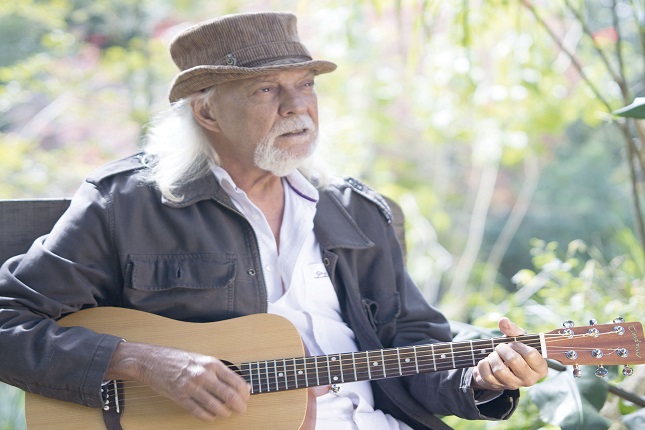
113 397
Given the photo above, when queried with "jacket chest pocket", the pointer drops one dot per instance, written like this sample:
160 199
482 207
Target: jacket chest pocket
184 286
382 310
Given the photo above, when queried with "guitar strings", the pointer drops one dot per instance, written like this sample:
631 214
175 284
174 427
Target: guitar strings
363 371
388 355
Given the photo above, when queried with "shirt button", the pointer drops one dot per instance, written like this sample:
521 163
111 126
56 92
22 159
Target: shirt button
268 268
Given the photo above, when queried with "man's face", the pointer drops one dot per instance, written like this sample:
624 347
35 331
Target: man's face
269 122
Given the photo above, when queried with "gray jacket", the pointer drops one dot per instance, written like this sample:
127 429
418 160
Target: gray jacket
122 244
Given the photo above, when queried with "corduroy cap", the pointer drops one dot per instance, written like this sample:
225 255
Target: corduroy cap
237 47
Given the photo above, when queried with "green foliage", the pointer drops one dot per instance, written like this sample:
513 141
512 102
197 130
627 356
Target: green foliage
635 110
11 408
467 113
580 283
572 404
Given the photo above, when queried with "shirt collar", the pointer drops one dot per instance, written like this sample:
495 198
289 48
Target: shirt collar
296 181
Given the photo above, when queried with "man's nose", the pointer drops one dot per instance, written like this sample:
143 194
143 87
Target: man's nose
293 103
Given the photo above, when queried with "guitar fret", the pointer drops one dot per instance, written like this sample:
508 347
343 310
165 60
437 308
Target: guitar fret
398 360
295 372
342 376
407 361
333 362
416 359
443 360
452 353
276 374
317 374
247 370
266 371
306 369
383 363
285 373
374 366
328 370
472 352
303 372
259 377
434 360
354 365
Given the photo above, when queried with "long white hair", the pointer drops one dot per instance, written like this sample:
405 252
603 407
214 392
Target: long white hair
177 150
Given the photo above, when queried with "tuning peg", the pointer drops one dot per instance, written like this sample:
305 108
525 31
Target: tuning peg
568 324
601 372
577 373
619 320
593 321
628 370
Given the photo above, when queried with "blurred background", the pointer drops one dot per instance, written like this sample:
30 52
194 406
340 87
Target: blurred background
489 121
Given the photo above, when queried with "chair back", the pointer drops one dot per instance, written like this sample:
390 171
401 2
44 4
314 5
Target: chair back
23 221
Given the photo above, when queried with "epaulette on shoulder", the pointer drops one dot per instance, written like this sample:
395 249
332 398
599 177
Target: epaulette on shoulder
372 196
133 162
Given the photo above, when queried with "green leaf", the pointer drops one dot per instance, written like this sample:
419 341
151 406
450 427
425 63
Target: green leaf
635 421
634 110
572 403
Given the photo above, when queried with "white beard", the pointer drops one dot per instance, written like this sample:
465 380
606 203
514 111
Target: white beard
283 161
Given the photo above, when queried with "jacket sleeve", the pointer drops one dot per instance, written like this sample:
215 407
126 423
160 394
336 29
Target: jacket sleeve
74 267
445 392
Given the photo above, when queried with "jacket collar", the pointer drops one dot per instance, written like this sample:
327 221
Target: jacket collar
203 188
333 225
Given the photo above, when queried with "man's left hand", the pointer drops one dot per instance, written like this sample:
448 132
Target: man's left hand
511 366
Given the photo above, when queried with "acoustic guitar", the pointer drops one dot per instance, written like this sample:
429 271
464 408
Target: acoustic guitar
267 351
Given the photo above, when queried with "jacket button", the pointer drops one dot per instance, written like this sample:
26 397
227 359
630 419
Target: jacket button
326 261
251 272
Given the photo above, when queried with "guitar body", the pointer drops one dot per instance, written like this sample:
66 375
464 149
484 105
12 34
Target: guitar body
249 338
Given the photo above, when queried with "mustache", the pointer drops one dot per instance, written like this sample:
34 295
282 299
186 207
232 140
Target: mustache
292 125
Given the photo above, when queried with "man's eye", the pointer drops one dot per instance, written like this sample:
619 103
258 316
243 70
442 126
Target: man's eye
265 90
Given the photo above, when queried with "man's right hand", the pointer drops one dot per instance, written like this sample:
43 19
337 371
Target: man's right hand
202 385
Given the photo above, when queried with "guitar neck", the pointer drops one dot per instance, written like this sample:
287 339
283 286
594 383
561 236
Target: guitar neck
302 372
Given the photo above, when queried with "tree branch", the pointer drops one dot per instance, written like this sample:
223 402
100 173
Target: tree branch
616 76
572 57
639 15
619 57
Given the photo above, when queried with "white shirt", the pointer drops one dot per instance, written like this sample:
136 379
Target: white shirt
299 288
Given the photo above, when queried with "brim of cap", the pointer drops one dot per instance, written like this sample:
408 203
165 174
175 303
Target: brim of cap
198 78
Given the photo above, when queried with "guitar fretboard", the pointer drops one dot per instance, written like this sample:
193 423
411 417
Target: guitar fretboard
302 372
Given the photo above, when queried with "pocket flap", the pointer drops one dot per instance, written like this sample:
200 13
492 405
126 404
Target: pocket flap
197 271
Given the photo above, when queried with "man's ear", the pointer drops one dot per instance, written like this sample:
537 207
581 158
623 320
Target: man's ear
204 114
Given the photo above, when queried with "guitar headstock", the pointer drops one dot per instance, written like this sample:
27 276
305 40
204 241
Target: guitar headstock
618 343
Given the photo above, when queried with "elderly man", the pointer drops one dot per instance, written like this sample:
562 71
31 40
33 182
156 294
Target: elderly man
222 217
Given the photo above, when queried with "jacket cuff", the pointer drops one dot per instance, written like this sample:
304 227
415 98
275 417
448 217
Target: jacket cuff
502 407
94 378
491 405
